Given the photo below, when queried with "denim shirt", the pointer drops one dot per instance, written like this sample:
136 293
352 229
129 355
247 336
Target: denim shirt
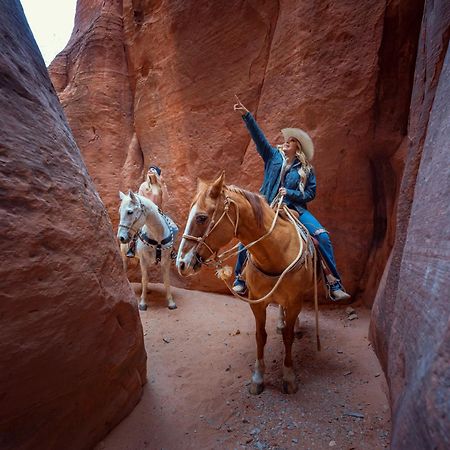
273 163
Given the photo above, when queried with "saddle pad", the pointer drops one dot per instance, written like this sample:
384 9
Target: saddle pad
171 224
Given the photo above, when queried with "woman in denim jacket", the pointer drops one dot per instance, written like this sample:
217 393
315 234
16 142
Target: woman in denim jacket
288 171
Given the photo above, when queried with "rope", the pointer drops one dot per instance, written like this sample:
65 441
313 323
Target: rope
285 271
294 221
246 247
316 300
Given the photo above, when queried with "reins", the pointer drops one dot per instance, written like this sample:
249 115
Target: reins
291 266
231 251
285 271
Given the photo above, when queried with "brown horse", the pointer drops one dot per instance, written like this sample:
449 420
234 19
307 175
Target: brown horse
220 213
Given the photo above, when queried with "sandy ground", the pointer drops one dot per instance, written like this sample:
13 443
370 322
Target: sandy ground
199 365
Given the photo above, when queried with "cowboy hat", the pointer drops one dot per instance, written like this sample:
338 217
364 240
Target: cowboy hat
303 138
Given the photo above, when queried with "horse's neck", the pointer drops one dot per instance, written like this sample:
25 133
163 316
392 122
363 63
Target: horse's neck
155 224
277 249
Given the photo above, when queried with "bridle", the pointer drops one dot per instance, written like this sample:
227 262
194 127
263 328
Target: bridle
130 227
213 259
217 260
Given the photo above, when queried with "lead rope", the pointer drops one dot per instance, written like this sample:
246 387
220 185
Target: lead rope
285 271
291 265
316 300
231 251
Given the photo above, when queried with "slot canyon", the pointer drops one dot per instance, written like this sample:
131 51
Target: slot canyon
153 82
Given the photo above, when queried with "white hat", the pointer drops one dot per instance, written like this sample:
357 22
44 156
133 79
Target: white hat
303 138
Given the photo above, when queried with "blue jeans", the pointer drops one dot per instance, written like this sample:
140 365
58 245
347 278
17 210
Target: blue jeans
241 259
326 249
316 230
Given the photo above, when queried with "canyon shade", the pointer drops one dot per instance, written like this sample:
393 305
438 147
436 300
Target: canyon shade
72 356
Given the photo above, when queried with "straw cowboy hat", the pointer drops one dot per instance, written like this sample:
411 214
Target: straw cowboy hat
303 138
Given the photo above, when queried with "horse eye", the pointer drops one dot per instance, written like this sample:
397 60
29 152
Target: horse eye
130 211
201 219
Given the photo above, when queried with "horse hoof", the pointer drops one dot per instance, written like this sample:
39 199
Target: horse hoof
256 388
172 306
298 334
289 388
142 307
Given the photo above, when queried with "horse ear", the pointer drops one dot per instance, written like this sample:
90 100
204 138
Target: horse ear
132 196
217 186
121 195
200 184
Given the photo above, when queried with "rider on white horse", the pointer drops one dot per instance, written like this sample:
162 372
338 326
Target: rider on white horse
152 188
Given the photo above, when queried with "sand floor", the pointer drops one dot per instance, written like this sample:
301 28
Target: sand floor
199 366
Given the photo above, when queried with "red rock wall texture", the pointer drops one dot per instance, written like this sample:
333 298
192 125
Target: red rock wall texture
410 323
160 89
72 359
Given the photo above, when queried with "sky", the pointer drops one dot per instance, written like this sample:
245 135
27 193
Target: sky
51 22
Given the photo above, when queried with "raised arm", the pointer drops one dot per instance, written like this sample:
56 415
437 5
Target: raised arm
262 144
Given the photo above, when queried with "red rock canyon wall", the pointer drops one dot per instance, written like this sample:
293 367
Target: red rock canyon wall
160 90
72 359
410 318
154 82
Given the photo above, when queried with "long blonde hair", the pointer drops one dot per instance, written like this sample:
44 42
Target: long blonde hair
305 165
305 168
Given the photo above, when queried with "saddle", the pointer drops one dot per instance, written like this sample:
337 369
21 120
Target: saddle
307 237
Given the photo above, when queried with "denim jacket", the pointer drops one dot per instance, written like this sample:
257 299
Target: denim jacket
273 163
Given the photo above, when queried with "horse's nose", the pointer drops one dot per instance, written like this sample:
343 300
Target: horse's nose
182 265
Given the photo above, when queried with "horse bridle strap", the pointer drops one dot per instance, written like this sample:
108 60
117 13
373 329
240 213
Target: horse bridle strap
213 224
130 227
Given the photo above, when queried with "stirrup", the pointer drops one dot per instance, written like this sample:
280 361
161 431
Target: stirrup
339 295
240 286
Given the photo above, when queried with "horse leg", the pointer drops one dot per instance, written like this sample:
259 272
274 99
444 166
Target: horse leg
166 278
257 383
280 323
289 382
144 282
123 251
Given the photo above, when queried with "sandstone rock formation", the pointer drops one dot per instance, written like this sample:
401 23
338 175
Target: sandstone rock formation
72 359
160 89
154 82
410 319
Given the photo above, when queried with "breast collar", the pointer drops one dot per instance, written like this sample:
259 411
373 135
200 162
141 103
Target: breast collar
167 242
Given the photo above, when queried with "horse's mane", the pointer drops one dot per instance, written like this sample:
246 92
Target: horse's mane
143 199
256 202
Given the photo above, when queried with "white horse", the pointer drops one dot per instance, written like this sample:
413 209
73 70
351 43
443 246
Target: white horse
155 238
